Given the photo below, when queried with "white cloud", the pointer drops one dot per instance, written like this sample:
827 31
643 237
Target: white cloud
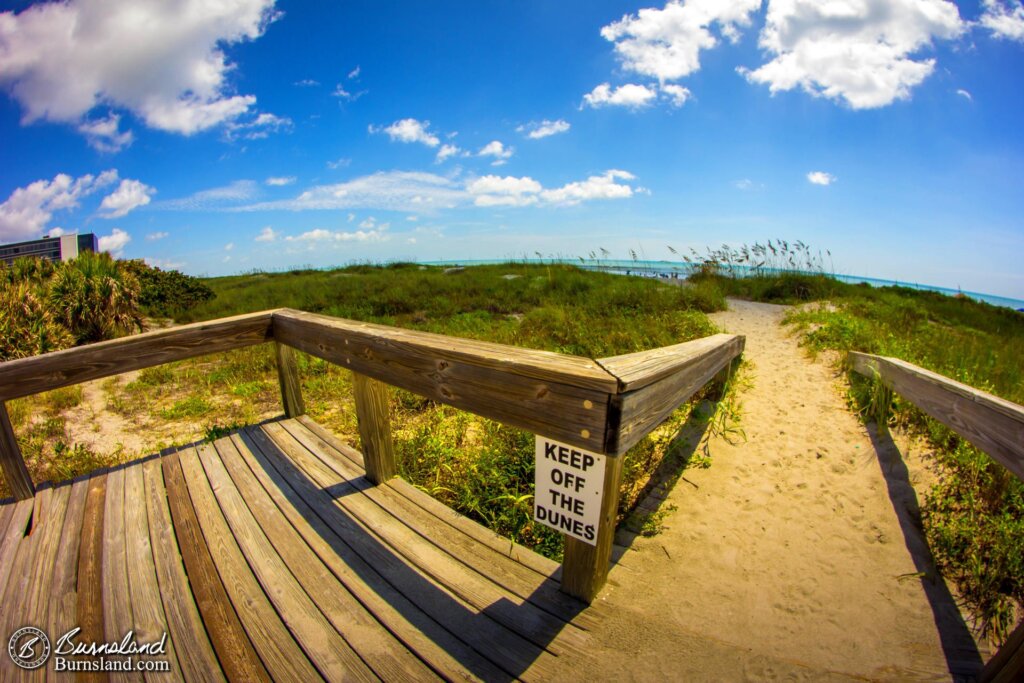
675 94
155 236
409 130
743 184
378 234
214 198
820 178
666 43
630 95
410 240
445 152
279 181
492 190
858 52
594 187
115 242
340 163
229 246
259 127
536 131
267 234
129 195
498 151
56 232
411 191
354 73
965 94
27 211
105 135
306 83
1005 18
163 264
163 62
340 92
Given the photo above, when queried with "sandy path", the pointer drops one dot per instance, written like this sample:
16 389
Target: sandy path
788 561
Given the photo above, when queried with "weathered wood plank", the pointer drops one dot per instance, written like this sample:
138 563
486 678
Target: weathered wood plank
993 424
445 653
194 654
117 605
26 376
517 614
379 649
1007 665
62 614
149 621
538 563
282 656
642 410
13 536
288 379
328 651
234 650
6 510
637 370
585 566
565 397
89 603
506 648
19 481
372 411
14 613
495 567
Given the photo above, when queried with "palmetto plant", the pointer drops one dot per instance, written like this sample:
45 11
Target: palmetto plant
95 298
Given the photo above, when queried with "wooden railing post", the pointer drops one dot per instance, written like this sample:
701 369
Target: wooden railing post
288 377
374 427
19 481
585 566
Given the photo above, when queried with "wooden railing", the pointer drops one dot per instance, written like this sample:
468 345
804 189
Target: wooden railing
604 406
992 424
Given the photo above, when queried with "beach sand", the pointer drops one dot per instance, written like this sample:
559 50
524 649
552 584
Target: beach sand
795 556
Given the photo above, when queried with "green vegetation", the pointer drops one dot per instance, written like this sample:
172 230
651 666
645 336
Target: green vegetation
166 293
973 515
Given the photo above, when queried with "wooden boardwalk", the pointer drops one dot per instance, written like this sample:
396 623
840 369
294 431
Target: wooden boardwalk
268 555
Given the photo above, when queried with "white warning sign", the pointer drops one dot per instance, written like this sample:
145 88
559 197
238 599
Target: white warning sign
569 485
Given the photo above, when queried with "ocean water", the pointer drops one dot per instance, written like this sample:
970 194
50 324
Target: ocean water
670 268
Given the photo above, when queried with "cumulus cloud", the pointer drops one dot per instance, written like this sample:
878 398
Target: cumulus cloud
258 127
115 242
105 134
163 63
666 43
129 195
341 93
536 131
499 152
446 152
28 210
267 234
512 191
861 52
630 95
409 130
676 95
820 178
321 235
279 181
1005 18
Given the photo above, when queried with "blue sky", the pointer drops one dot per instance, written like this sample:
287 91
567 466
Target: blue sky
224 137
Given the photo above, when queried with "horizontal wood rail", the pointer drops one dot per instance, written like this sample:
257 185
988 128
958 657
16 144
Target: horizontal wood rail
605 406
992 424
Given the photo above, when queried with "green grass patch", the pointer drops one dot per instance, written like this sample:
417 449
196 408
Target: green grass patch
187 408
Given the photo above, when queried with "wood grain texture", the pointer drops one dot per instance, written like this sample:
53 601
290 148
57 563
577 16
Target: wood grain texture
1007 665
62 613
234 650
373 413
27 376
993 424
283 657
19 481
13 536
644 408
89 603
564 397
288 379
117 604
637 370
585 566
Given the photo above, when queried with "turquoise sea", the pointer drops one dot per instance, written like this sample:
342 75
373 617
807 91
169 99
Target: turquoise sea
679 269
